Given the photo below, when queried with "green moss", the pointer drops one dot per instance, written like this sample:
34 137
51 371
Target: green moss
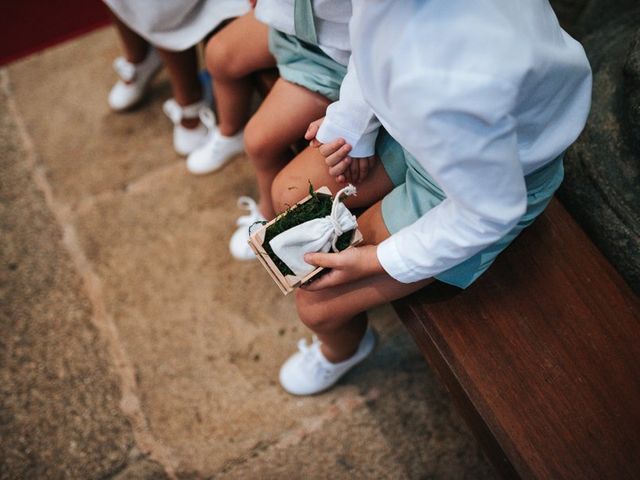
318 206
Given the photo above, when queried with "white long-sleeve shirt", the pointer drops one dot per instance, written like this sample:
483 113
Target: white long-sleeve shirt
482 93
331 21
351 118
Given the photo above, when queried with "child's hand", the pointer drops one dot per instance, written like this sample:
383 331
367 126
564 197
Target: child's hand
312 131
344 168
336 156
358 170
347 266
335 153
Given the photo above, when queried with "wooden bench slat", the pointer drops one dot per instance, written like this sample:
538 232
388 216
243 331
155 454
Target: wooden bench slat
542 355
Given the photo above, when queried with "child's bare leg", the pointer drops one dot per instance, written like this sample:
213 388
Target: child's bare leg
135 47
280 121
238 50
335 314
292 183
185 84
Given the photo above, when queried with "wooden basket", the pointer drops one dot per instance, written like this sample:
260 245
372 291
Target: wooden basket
287 283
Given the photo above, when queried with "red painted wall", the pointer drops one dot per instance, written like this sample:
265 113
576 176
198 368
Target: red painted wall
27 26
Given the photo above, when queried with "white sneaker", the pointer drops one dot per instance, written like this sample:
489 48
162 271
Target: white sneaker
308 372
134 80
186 140
216 152
239 244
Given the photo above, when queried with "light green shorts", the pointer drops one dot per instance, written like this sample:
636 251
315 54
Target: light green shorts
416 193
306 65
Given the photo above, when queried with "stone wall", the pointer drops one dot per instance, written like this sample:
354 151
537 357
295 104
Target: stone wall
602 185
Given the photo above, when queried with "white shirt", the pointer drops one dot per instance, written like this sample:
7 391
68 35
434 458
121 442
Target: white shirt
331 21
178 24
482 93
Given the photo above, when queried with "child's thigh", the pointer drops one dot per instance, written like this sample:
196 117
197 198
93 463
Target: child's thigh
371 225
240 48
283 118
333 306
292 183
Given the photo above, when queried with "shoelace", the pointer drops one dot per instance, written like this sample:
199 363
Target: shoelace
311 362
124 68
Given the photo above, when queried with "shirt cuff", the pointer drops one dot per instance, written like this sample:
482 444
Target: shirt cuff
391 260
363 145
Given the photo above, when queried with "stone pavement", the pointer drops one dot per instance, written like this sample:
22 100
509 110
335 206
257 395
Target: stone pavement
134 347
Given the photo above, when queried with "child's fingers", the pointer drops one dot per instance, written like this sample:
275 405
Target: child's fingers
331 279
326 260
354 170
313 128
314 143
364 169
311 132
340 179
338 156
331 147
340 167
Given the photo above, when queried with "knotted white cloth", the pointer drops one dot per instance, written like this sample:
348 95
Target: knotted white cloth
317 235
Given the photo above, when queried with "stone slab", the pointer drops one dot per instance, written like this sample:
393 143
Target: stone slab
59 399
206 334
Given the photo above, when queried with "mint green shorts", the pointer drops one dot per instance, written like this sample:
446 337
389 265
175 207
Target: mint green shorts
416 193
306 65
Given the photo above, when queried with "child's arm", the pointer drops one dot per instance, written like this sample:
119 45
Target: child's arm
462 132
465 139
352 121
351 118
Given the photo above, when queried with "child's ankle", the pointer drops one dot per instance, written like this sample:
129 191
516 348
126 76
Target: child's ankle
137 57
190 123
337 356
265 211
228 131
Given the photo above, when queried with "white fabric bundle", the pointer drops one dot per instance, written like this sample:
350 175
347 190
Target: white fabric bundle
317 235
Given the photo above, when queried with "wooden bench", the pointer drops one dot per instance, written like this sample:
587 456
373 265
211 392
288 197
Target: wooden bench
541 356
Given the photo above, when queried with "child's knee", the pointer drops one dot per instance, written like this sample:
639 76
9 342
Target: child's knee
285 192
257 141
221 60
312 313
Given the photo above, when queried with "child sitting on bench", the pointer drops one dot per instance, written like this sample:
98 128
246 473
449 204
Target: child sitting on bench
309 42
480 100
